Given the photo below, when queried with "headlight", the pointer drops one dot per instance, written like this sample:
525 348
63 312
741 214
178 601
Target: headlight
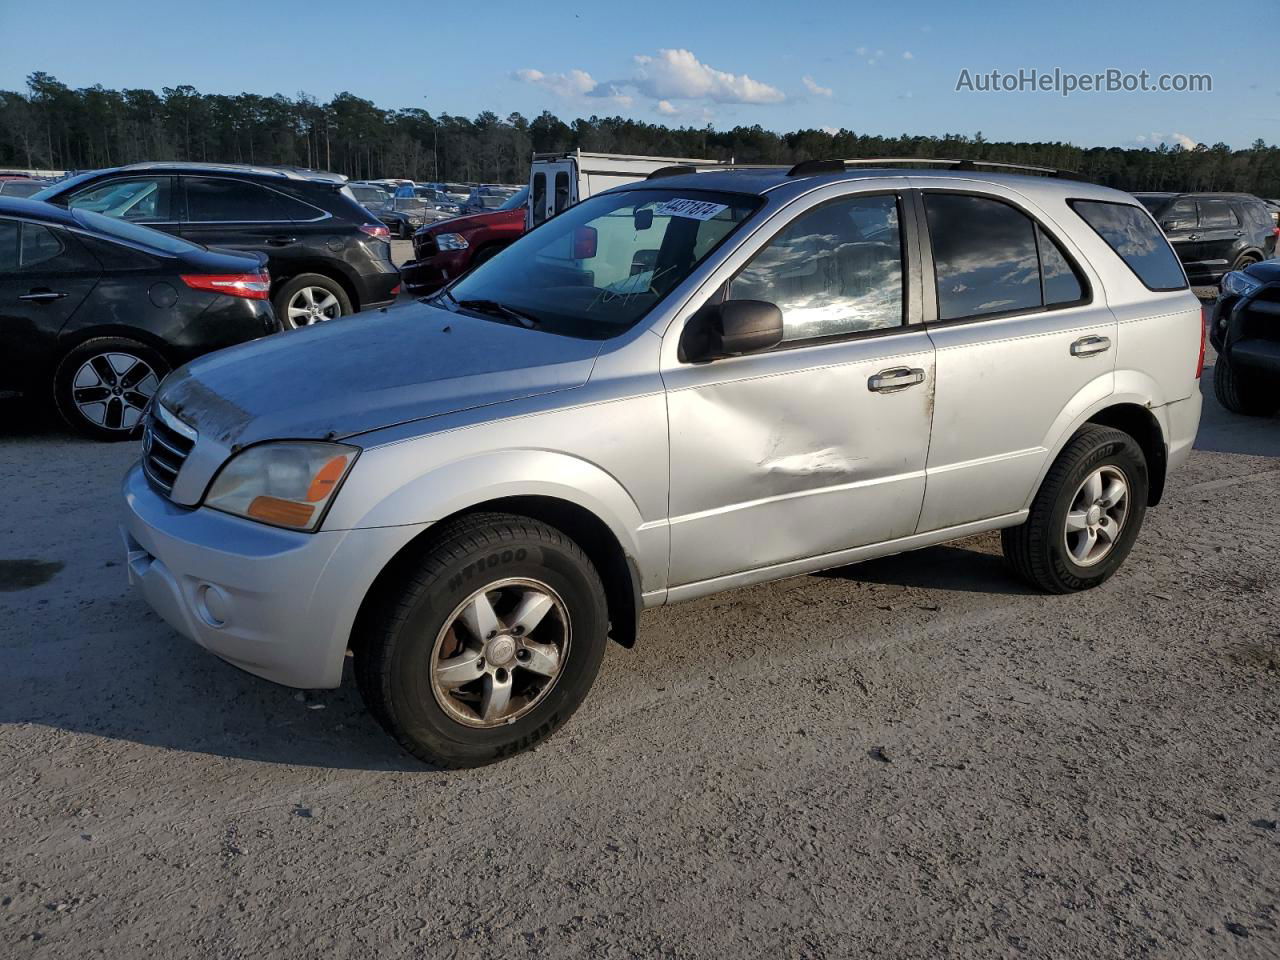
289 483
1238 283
452 241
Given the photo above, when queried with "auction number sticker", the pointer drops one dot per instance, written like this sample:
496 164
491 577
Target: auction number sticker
693 209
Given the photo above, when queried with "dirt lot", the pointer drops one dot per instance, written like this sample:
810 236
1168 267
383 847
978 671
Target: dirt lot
914 757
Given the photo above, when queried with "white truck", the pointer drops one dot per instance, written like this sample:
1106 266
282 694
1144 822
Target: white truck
559 180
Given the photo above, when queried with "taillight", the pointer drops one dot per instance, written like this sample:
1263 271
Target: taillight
1200 362
395 291
376 230
251 286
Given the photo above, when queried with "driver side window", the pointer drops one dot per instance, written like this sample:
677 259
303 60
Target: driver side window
140 199
832 271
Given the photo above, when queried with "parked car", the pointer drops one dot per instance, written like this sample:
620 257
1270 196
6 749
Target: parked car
445 251
328 258
95 311
488 197
1245 330
21 186
370 195
671 389
1214 232
404 215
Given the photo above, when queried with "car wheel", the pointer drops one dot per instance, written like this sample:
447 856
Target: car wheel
308 299
1240 392
102 386
483 644
1244 260
485 255
1085 516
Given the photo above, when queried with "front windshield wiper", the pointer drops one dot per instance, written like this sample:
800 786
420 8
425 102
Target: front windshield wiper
494 308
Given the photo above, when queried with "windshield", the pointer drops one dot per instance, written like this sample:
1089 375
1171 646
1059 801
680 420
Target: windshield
61 185
134 233
516 200
596 269
367 194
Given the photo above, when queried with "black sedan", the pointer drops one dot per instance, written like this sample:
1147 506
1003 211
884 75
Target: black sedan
98 310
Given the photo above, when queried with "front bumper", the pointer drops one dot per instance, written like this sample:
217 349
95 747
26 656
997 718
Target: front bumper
433 272
1246 329
277 603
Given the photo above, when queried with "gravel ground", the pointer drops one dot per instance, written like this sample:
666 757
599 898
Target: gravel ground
910 757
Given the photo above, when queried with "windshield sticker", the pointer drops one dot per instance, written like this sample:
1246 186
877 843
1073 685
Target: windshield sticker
693 209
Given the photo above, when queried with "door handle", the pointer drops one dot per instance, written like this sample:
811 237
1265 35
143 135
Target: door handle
1090 346
1193 236
41 296
894 379
281 241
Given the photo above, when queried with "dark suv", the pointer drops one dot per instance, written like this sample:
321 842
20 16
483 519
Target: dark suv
1214 233
327 255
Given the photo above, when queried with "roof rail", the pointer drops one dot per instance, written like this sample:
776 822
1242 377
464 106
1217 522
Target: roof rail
287 172
810 168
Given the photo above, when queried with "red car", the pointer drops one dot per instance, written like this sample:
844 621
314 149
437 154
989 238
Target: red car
448 249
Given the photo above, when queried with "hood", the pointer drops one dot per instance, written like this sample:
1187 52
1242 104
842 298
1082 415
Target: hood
370 370
492 218
1268 271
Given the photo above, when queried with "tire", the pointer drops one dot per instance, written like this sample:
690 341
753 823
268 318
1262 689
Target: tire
102 386
421 623
1242 393
1040 551
1244 260
327 301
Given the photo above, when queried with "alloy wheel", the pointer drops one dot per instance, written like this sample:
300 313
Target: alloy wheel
500 653
111 390
312 305
1096 516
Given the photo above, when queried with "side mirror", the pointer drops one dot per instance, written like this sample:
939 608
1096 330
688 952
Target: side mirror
730 329
585 241
643 219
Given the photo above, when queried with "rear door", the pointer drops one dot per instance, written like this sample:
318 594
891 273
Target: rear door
1020 337
45 275
1221 238
553 188
241 215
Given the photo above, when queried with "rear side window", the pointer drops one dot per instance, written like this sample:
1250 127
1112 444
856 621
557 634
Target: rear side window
1217 214
1136 240
8 246
217 200
990 258
39 244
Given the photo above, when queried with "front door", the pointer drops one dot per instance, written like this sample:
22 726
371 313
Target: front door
818 445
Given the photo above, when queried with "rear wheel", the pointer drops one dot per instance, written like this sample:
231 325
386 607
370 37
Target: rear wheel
486 643
1244 260
102 386
1241 392
308 299
1086 515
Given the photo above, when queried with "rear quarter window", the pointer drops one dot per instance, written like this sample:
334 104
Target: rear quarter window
1132 234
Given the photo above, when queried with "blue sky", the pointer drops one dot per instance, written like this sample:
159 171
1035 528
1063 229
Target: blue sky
870 67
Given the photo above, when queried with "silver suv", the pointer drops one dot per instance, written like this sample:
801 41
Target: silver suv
693 383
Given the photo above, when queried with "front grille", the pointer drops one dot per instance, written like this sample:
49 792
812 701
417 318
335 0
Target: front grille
166 442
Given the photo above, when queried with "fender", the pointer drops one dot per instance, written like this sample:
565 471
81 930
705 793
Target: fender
449 488
1130 387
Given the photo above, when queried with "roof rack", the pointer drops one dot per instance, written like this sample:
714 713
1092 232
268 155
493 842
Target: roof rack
811 168
287 172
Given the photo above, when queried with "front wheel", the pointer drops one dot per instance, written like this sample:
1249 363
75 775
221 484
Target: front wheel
1242 393
486 642
1086 515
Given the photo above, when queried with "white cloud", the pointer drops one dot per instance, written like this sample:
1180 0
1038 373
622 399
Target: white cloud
679 75
830 131
1169 139
861 51
575 83
815 88
908 55
1188 143
665 108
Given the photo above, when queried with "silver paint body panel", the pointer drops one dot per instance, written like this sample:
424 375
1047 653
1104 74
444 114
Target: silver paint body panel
710 476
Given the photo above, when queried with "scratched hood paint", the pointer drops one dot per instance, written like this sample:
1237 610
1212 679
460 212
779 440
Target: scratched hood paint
367 371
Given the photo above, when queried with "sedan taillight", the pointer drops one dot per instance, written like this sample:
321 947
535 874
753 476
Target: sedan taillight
251 286
376 230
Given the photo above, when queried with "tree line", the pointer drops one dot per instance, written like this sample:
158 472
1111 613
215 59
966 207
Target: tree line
50 125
